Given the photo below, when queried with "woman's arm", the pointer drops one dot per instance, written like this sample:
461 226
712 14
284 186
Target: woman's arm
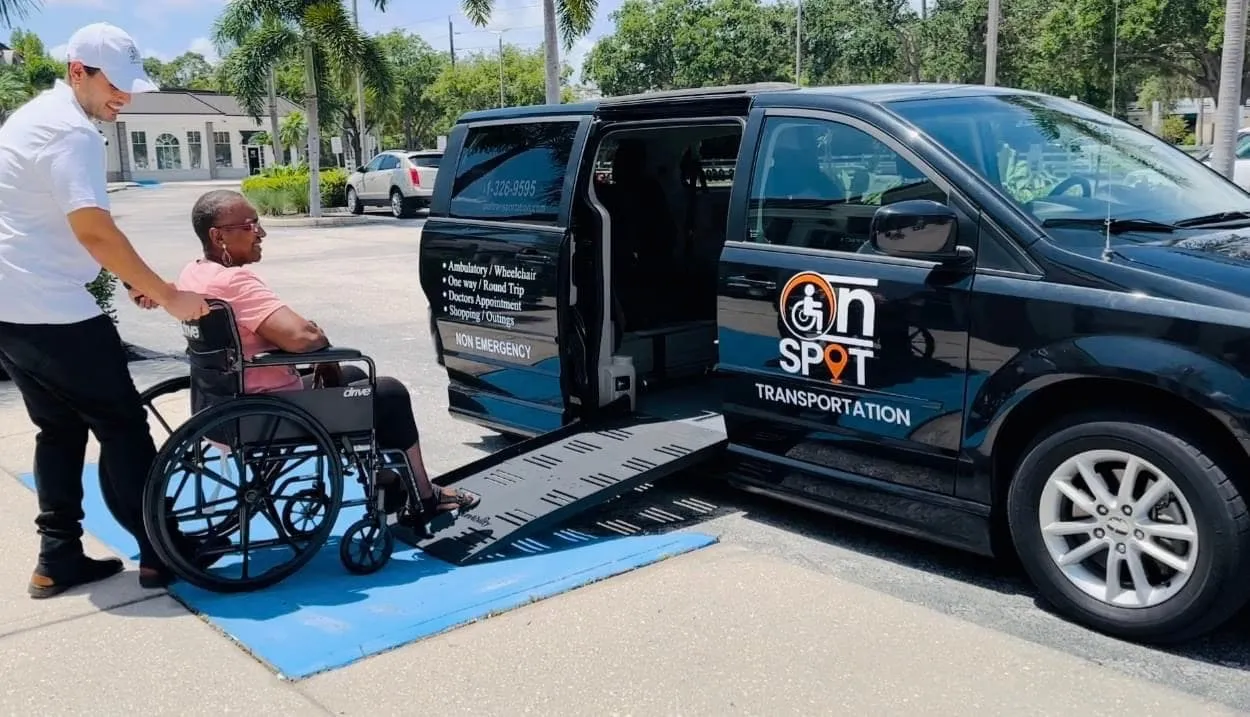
291 332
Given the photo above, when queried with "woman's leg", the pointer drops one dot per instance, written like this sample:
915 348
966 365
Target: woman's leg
397 429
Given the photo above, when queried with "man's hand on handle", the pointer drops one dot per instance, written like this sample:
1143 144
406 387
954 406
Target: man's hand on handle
186 305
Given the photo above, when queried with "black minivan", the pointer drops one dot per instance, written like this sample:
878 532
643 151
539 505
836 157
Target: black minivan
992 318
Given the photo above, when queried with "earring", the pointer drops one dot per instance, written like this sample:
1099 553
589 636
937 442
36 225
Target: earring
225 256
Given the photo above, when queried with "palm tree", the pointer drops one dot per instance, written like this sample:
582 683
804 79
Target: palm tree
574 19
320 35
10 9
13 92
1228 108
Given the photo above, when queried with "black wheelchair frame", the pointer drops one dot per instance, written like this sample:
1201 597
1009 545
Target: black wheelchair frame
330 427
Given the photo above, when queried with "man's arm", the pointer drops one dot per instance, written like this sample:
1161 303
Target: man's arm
82 194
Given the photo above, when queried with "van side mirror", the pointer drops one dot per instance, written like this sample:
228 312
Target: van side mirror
918 229
361 169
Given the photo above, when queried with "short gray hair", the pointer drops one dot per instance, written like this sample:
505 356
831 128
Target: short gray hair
207 207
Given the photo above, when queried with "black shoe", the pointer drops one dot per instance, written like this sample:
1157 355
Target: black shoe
152 577
49 581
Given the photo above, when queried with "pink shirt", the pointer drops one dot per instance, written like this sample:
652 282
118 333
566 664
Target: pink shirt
252 302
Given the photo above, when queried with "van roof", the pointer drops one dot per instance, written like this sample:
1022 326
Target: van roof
777 91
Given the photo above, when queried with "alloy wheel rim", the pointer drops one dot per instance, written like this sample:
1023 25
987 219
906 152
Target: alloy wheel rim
395 202
1118 528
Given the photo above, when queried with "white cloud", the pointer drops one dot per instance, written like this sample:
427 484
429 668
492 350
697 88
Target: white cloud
516 15
205 47
577 56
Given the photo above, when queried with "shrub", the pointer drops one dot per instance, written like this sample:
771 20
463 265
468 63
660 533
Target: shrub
1173 129
102 289
284 189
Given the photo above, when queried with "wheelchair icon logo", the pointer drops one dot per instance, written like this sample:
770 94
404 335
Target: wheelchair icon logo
808 306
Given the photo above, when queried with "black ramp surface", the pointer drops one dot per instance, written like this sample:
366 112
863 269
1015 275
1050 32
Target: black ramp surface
536 491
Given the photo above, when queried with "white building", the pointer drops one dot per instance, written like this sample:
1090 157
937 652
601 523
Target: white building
186 135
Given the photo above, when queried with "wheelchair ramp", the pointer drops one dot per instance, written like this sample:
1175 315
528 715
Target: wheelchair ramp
537 485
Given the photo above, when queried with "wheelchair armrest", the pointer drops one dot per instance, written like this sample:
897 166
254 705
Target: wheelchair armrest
287 358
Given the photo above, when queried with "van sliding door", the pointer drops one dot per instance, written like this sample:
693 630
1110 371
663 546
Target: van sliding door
494 269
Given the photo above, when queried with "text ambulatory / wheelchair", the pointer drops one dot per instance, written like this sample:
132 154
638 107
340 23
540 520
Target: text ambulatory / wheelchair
262 476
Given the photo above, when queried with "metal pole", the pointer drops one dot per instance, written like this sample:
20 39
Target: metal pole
501 68
991 44
360 95
451 42
798 45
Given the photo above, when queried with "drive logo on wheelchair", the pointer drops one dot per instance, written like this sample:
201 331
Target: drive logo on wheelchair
357 391
191 330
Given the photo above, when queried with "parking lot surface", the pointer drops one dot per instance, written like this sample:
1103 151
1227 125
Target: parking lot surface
792 613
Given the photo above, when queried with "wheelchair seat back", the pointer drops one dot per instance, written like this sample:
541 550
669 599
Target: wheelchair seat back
215 354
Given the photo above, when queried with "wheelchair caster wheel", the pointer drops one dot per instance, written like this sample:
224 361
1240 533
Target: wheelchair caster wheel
304 512
366 546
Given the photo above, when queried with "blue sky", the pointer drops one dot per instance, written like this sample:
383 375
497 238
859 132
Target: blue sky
167 28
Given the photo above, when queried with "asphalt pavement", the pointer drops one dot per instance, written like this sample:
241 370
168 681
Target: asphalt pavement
360 284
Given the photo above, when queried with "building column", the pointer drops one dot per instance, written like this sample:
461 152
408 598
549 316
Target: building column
210 143
123 152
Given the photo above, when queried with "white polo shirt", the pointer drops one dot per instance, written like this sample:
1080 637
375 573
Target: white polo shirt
52 162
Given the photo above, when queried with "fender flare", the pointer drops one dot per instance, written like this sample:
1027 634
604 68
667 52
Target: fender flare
1210 384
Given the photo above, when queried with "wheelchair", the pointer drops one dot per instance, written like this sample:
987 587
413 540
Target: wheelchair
263 476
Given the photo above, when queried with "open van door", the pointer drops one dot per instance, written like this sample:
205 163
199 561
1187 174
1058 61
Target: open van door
494 267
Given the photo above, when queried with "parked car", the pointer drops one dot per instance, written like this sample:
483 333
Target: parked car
1241 163
402 180
994 319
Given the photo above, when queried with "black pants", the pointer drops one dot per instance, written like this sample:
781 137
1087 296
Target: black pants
392 408
73 378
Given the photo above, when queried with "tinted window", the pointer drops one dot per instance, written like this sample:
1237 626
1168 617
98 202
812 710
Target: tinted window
373 164
1243 146
817 183
513 172
429 161
389 161
1061 159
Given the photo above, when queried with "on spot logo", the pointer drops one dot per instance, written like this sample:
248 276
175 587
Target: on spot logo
832 324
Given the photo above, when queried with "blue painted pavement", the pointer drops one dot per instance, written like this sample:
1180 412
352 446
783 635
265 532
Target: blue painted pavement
324 617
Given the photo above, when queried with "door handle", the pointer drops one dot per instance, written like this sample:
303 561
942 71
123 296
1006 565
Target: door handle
752 282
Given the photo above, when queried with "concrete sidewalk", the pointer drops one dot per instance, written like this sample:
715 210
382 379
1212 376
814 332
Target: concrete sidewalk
725 630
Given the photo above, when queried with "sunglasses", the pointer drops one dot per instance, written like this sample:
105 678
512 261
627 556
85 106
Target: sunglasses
252 226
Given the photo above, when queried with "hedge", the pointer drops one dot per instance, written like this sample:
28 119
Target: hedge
284 190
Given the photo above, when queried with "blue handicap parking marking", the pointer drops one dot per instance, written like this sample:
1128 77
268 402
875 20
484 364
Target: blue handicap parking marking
324 617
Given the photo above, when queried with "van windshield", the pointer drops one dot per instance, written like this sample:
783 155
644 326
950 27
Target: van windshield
1062 160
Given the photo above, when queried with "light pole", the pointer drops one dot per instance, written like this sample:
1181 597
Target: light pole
991 44
499 34
360 95
798 44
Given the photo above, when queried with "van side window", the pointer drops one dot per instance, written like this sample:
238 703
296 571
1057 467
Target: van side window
513 172
389 161
816 184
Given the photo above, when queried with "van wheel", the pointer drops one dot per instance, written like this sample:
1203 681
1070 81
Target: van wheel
401 208
353 202
1126 527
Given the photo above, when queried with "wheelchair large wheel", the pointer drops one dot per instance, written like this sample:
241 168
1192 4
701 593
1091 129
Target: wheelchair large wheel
259 549
165 403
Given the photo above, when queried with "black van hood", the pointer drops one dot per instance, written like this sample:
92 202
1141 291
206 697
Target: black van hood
1218 259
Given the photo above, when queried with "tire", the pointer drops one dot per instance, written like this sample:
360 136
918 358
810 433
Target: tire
353 202
401 208
1179 606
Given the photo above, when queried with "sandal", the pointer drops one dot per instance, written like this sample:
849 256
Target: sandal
449 499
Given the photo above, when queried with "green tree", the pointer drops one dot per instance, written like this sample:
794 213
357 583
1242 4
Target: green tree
473 84
188 71
318 32
408 110
14 91
569 20
672 44
40 69
858 41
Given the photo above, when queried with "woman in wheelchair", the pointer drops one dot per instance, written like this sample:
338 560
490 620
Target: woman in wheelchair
231 236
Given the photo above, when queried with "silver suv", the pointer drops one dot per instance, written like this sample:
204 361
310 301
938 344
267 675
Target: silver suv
402 179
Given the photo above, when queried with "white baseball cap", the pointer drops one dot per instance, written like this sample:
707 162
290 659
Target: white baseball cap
113 51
